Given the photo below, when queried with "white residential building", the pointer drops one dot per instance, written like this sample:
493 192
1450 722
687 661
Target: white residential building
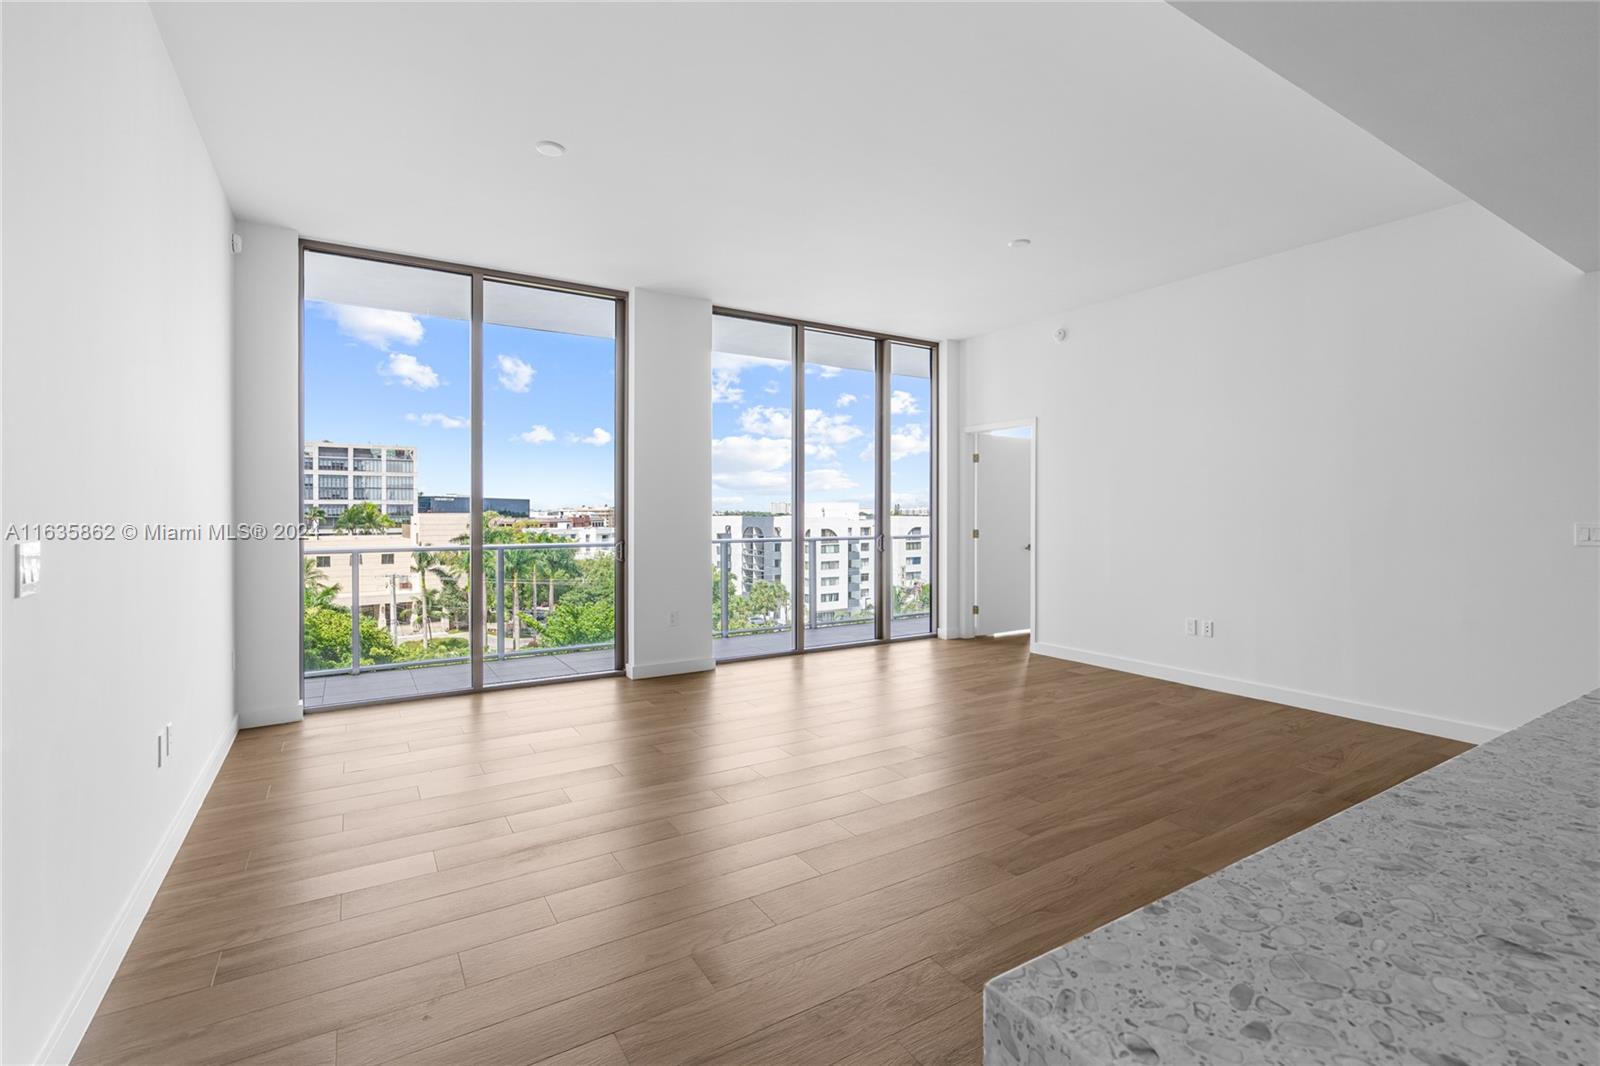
334 475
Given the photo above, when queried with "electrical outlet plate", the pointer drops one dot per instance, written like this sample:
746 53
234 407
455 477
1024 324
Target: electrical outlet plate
1586 534
1208 628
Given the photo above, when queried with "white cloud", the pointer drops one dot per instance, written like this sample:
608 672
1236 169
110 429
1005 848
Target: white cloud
537 435
375 326
828 371
745 463
824 428
515 375
442 421
829 479
845 399
907 440
725 387
903 403
598 438
770 388
410 372
765 421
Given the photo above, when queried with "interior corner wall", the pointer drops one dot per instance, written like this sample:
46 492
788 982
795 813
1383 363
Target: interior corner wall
1363 459
116 405
668 422
266 474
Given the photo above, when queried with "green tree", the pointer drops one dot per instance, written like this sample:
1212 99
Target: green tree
586 612
766 602
315 516
364 518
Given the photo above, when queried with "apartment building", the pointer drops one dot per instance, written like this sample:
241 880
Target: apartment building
336 475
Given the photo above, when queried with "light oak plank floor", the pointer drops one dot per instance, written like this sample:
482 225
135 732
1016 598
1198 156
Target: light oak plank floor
804 860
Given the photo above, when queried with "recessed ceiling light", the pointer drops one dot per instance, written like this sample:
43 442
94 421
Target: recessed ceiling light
550 148
1020 242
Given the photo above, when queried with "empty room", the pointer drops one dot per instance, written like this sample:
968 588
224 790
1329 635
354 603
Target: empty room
800 534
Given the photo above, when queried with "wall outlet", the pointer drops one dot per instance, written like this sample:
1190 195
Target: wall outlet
1191 627
167 734
160 749
1208 628
1586 534
672 619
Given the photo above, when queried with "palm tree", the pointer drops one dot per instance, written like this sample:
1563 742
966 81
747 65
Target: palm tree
316 516
422 562
549 564
364 518
318 590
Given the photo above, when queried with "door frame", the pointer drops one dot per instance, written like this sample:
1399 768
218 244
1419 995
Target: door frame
968 627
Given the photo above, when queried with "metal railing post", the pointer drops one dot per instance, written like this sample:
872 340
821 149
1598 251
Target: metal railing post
726 548
500 602
355 612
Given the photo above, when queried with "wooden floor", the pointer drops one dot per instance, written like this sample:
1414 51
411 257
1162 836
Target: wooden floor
803 860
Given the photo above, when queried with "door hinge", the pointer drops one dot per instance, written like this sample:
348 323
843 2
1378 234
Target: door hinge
974 534
974 608
974 456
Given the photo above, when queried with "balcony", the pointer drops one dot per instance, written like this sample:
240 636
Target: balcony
755 616
549 613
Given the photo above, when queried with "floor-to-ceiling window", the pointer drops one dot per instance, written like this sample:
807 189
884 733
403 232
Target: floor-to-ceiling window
909 452
822 471
753 601
459 478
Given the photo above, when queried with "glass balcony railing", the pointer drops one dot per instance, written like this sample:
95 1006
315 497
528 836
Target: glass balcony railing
755 607
549 611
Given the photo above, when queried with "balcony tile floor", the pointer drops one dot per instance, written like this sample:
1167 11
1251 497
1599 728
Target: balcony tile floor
337 690
828 637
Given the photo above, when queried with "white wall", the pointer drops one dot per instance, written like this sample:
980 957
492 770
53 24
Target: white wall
266 473
1362 458
669 482
116 397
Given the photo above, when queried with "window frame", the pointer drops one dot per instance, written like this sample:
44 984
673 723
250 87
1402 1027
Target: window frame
478 276
882 546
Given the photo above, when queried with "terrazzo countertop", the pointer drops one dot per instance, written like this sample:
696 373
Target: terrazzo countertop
1450 920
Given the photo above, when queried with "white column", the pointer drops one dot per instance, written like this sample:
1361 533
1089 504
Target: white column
669 484
266 451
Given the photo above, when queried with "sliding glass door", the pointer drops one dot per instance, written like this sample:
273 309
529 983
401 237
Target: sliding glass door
459 478
822 471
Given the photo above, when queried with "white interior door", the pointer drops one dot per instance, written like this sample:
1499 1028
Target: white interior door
1003 483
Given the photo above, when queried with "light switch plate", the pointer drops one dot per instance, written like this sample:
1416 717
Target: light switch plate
28 563
1586 534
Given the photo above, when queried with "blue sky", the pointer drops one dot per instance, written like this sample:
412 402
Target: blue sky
388 377
751 428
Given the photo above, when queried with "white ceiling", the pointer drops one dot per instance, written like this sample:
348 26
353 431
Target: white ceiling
1500 99
857 164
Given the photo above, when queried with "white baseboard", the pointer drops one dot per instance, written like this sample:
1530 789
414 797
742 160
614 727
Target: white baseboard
1416 721
74 1022
640 671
